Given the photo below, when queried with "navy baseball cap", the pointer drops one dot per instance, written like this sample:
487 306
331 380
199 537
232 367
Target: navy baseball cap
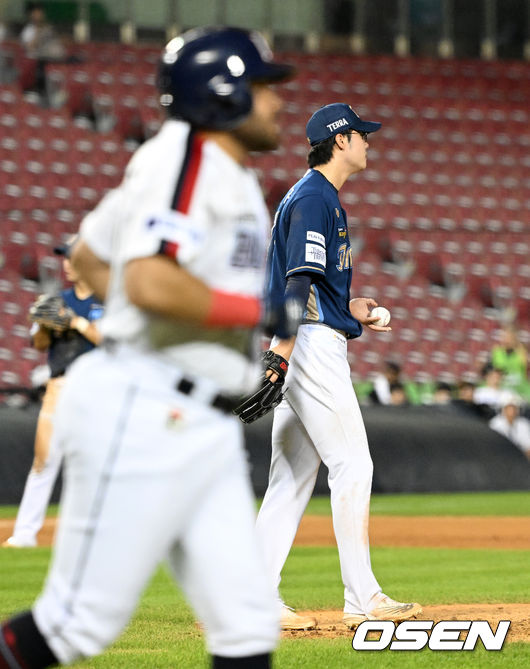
334 119
66 248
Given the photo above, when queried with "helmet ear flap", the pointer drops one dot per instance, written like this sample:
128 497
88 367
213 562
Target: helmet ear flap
231 106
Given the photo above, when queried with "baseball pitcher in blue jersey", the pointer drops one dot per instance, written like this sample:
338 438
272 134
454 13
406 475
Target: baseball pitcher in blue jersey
63 347
310 258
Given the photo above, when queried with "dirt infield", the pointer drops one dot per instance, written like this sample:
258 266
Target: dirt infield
428 531
508 532
422 531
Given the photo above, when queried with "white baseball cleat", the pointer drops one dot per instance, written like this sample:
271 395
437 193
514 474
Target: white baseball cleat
290 620
14 543
386 609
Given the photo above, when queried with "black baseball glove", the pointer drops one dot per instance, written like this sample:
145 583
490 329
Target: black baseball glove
269 394
51 312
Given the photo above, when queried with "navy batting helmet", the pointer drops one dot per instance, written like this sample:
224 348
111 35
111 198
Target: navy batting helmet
205 75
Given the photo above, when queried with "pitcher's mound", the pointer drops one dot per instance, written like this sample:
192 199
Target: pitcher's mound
330 622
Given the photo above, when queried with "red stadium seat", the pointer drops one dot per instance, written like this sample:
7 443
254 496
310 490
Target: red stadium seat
445 195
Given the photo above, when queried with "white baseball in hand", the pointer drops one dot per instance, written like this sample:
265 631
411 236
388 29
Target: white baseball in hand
383 316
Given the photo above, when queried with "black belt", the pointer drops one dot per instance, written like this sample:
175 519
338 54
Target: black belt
225 403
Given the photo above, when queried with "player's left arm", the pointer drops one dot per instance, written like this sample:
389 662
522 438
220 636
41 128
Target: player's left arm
87 328
297 288
160 285
361 307
91 268
305 255
285 347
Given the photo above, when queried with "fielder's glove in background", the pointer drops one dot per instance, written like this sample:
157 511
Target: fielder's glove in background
269 394
51 312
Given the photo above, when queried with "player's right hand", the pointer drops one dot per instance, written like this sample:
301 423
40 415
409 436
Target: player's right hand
361 308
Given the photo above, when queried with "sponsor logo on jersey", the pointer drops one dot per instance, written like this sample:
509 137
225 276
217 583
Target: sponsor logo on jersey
444 635
315 254
342 232
336 124
170 224
313 236
345 256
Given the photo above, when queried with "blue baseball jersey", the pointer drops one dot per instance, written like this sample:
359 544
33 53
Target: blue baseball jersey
69 345
310 235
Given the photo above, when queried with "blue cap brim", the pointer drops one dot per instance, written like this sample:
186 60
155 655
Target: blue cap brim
368 126
62 251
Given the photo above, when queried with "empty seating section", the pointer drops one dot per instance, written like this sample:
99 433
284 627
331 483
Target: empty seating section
439 220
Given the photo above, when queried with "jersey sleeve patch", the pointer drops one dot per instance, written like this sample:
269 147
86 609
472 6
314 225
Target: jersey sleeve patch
315 254
175 236
316 237
306 239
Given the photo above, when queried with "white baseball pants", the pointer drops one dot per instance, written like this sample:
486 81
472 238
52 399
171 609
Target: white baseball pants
320 420
34 504
43 473
151 474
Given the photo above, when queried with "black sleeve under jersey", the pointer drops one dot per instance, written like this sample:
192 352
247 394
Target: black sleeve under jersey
298 286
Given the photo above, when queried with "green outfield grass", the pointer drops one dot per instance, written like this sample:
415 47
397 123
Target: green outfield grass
10 510
311 577
338 654
422 504
163 633
440 504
